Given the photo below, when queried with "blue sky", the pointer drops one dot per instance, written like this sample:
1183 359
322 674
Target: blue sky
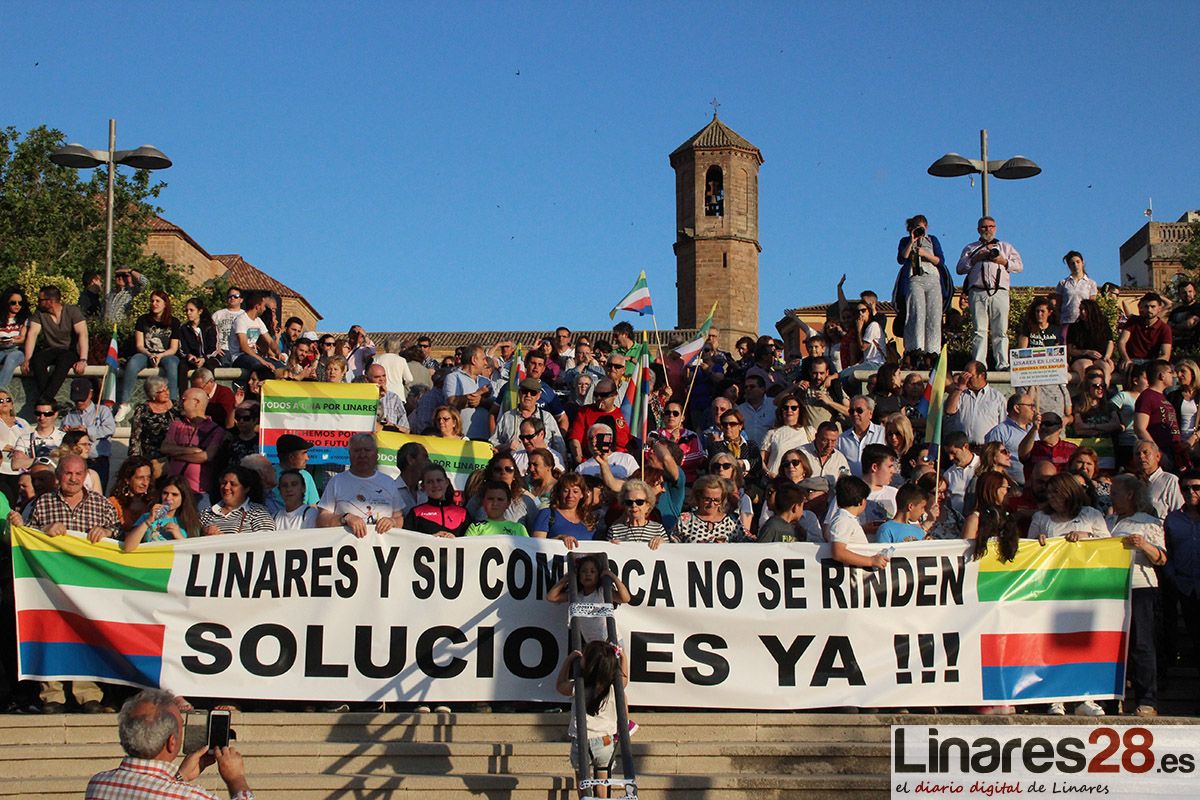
498 166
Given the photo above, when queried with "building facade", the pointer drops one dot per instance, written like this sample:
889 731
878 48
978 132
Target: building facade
716 230
1152 257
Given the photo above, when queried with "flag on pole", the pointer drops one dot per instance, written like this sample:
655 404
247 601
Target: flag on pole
632 381
934 402
108 389
516 374
637 300
645 380
689 350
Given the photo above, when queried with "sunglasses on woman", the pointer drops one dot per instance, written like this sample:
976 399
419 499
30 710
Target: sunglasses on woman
635 501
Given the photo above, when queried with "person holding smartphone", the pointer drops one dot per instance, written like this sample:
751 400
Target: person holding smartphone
151 747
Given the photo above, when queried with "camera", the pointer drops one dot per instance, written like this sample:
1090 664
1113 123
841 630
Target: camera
918 232
993 253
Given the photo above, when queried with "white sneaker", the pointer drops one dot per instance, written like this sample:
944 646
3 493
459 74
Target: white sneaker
1056 710
123 412
1089 708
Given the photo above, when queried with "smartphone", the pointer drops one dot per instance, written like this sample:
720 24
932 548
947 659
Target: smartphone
218 729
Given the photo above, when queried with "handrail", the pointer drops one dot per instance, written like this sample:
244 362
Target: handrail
575 637
627 768
575 642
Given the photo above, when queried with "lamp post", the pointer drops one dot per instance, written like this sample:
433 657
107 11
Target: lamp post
952 165
80 157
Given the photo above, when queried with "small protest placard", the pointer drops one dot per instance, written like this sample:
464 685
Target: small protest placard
1038 366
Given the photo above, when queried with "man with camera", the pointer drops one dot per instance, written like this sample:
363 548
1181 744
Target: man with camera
151 731
988 264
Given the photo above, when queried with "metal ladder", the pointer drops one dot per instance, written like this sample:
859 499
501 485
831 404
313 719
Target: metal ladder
583 779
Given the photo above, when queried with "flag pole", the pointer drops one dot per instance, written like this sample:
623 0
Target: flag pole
658 340
691 383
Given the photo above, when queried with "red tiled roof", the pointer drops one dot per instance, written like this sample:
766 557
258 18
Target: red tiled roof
451 339
160 225
245 275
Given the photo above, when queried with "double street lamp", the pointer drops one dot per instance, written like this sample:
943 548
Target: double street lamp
80 157
952 165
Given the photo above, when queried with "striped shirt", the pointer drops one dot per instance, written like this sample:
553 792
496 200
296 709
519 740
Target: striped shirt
624 532
142 778
247 518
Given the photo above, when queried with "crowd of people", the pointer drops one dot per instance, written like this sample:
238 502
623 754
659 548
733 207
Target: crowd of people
823 442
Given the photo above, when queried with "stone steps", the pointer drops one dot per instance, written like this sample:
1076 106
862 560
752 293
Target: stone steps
503 756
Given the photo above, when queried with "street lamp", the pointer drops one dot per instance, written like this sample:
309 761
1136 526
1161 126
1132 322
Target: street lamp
79 157
952 165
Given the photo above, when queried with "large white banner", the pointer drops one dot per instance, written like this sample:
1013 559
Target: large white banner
321 615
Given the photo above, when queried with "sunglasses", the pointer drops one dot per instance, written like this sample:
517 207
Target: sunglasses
5 400
505 469
1095 385
792 462
858 411
791 407
673 413
733 424
233 297
243 418
635 501
616 366
14 302
606 394
723 466
1191 487
44 413
529 391
527 437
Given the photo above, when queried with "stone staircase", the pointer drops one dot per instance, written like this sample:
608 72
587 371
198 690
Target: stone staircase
522 756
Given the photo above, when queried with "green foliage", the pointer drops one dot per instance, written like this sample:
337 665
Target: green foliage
54 216
31 279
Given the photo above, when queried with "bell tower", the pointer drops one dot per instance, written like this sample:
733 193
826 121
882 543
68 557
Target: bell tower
716 230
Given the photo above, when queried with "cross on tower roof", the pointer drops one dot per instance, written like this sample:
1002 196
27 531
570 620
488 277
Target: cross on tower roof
714 104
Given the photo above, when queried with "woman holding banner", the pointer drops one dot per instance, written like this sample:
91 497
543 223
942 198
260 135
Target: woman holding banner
240 509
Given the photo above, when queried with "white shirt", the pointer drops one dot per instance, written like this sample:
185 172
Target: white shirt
253 328
834 467
979 412
11 435
1144 576
1088 520
1072 292
758 422
958 479
371 498
875 350
851 446
779 441
1164 492
845 528
223 320
622 465
302 517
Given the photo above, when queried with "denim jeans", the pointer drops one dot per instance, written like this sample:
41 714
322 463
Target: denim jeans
10 360
168 367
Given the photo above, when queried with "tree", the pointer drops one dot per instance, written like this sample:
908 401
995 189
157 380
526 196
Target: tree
54 216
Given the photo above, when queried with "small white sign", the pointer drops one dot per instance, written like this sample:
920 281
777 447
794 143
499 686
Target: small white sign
1037 366
1115 761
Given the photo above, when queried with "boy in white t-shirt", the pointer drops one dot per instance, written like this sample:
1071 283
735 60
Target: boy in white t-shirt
248 329
845 529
